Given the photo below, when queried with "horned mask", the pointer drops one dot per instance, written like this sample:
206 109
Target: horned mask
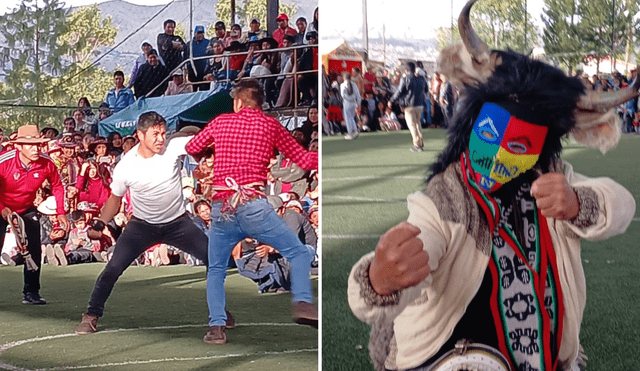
472 63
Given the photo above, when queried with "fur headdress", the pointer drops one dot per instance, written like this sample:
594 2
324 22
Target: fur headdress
559 102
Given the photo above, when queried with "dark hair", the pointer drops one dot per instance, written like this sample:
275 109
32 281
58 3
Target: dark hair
118 73
220 24
68 119
79 110
76 215
250 91
411 67
102 171
112 135
200 203
150 119
419 64
152 52
303 19
86 100
167 22
290 38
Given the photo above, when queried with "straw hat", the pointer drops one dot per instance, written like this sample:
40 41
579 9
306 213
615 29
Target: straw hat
29 134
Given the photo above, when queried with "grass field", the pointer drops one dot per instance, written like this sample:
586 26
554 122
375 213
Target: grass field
364 187
154 320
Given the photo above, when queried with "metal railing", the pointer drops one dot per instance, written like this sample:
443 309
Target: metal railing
294 74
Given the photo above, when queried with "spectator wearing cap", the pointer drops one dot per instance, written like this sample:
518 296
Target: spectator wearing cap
119 97
301 25
23 170
146 47
170 45
197 48
283 29
252 57
177 84
254 30
150 75
221 35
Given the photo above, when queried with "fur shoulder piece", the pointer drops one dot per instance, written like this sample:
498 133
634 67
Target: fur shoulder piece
456 204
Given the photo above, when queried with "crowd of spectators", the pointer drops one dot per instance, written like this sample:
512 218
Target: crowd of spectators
286 63
378 109
86 162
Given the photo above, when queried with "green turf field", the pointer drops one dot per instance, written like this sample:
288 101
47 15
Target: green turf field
154 320
364 187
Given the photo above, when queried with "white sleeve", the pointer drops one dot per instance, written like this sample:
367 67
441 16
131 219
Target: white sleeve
119 183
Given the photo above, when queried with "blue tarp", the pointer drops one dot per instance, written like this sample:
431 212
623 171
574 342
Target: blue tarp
200 107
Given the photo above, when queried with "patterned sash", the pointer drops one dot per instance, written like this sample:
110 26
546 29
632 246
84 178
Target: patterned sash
241 194
526 299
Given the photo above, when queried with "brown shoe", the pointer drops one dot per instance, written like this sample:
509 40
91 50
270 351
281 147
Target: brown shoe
231 322
305 314
215 335
88 325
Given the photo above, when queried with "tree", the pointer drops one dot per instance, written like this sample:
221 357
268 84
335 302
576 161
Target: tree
443 36
501 24
562 41
86 33
603 27
41 64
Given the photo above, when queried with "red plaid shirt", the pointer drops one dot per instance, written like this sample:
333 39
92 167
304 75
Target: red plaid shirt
18 186
244 144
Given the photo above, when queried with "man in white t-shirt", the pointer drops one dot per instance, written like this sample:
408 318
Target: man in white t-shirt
151 173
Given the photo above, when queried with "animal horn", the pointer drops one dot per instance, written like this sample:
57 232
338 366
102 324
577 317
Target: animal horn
475 46
601 102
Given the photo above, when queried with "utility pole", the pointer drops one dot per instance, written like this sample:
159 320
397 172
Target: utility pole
613 33
365 31
526 15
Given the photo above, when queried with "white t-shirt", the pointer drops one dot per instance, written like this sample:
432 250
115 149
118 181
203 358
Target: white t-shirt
154 183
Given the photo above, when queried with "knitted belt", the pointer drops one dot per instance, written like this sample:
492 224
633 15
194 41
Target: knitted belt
241 195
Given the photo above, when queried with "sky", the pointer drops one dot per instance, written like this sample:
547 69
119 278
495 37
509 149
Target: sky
410 18
8 5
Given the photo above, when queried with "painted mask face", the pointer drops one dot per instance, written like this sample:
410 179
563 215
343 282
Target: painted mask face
502 146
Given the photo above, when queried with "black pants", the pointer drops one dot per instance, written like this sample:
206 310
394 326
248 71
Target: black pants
32 229
136 238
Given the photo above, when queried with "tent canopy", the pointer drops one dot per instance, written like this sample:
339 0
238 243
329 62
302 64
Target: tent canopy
197 108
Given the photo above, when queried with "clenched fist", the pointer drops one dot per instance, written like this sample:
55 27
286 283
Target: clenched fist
400 261
555 198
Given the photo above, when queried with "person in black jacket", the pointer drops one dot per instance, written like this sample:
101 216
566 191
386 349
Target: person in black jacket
412 89
170 45
149 76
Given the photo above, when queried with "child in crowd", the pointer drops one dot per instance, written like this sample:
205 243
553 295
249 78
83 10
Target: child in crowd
80 248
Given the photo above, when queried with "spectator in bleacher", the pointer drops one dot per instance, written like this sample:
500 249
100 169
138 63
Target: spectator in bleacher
203 173
310 126
197 46
202 219
46 132
177 84
119 97
90 117
221 35
251 59
142 59
216 67
170 45
235 34
308 61
100 149
283 29
235 61
301 25
87 139
115 143
103 112
80 120
150 75
313 26
53 236
93 183
128 142
273 58
254 30
284 82
79 247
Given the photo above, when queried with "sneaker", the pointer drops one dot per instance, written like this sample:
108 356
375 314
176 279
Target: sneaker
62 258
231 322
216 335
7 259
51 255
98 255
88 324
305 314
416 149
33 298
348 137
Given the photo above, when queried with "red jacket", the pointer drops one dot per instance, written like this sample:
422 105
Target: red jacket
18 186
96 192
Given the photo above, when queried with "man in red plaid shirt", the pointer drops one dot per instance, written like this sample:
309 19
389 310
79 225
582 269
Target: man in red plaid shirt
244 144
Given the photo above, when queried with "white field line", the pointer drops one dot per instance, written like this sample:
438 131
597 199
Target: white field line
369 177
368 199
349 236
6 366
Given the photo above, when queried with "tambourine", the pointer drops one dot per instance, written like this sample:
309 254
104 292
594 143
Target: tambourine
468 356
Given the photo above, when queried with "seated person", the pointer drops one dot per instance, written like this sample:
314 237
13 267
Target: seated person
79 247
177 85
263 264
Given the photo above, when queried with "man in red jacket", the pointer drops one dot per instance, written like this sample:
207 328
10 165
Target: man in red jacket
22 172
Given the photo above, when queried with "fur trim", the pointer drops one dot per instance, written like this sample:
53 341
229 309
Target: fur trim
370 296
589 212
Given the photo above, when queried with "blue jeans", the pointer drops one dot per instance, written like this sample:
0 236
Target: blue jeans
258 220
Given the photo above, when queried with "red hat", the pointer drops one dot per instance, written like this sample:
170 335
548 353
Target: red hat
282 17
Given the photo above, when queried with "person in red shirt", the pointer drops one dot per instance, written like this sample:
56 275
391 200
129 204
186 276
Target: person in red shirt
283 29
244 144
22 172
